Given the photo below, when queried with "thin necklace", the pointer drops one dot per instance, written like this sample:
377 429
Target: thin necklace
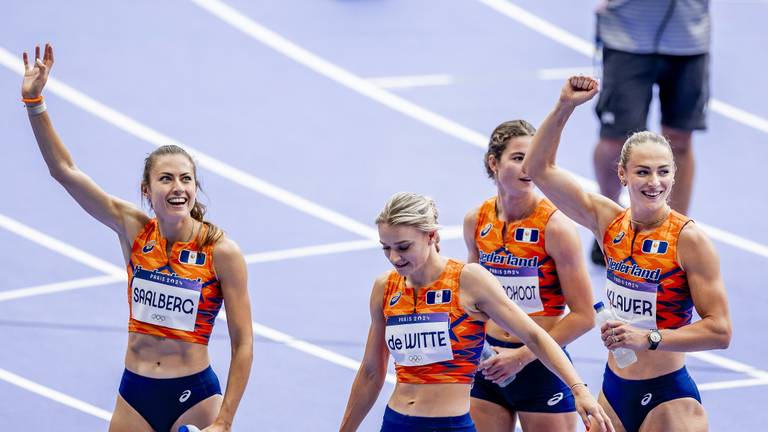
652 223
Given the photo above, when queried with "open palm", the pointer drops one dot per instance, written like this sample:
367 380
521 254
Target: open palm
36 76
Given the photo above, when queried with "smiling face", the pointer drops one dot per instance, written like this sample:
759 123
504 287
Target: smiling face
171 187
406 247
649 173
508 168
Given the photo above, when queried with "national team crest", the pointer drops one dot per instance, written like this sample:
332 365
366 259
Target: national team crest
658 247
149 246
527 235
192 257
486 230
435 297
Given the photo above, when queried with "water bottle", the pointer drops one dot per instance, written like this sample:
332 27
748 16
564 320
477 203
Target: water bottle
189 428
623 356
489 352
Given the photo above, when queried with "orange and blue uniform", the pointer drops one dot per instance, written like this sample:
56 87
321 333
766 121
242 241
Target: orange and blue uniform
515 253
431 337
176 296
646 288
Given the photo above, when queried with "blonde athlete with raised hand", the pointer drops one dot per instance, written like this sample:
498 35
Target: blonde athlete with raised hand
534 251
181 269
429 313
659 266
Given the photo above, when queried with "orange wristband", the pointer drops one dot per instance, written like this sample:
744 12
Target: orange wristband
32 100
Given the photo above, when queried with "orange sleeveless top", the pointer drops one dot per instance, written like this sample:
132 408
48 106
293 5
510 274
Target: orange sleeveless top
645 285
514 252
176 296
432 339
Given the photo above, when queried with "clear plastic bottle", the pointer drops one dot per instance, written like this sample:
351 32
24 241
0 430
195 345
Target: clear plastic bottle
489 352
623 356
189 428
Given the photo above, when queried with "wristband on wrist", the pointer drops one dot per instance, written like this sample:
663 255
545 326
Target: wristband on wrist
35 110
30 101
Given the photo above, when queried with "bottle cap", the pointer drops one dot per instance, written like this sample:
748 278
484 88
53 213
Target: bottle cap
599 305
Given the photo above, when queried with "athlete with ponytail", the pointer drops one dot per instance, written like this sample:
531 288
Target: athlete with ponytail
181 269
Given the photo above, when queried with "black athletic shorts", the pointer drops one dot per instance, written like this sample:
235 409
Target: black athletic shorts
627 89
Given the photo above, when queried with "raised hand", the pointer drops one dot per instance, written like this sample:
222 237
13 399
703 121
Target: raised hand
577 90
36 76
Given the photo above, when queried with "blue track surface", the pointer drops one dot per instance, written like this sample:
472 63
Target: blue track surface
174 67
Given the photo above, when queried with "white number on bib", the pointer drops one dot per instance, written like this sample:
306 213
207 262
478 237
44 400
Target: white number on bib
419 339
164 300
633 302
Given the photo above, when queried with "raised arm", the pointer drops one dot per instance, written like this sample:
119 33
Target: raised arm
590 210
373 369
470 222
121 216
232 273
482 293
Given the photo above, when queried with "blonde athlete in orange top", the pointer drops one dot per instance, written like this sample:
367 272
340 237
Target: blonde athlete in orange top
180 269
659 266
535 252
429 314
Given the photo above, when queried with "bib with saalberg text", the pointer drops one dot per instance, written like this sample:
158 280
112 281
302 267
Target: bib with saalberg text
632 302
521 285
165 300
419 339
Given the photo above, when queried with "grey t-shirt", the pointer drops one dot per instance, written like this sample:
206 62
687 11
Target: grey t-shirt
675 27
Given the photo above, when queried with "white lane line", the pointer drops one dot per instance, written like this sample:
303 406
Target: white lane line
54 395
306 251
722 385
563 73
727 363
410 81
306 347
282 45
586 48
449 127
147 134
260 257
60 286
58 246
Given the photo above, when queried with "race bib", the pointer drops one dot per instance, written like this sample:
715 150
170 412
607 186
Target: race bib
521 285
164 300
419 339
632 302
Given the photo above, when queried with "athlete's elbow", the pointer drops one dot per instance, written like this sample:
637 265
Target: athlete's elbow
724 336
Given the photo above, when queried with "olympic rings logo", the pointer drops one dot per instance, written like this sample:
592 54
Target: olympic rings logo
415 358
157 317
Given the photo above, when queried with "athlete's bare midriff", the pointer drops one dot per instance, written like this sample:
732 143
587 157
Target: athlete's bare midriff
160 357
431 400
493 330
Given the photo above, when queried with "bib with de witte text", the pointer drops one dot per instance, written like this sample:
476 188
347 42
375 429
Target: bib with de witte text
419 339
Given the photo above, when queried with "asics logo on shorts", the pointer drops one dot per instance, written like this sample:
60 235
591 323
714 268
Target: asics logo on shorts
646 399
185 395
555 399
158 317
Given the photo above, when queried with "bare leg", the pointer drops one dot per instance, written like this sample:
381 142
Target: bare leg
126 419
546 422
611 413
200 415
681 148
678 415
490 417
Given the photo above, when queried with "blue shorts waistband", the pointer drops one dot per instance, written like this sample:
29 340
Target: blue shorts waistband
502 344
393 416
